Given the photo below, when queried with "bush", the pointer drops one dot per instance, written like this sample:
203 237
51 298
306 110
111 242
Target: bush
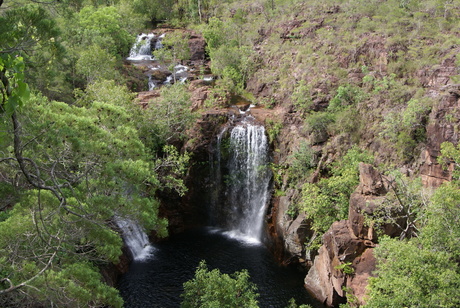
327 201
210 289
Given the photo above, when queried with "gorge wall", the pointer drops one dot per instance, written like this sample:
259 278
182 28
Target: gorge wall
348 241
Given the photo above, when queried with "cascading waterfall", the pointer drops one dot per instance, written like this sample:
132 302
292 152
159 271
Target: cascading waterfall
135 239
142 48
242 205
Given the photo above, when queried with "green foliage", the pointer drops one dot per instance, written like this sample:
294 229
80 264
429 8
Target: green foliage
301 96
403 207
318 124
102 26
156 11
301 163
96 64
273 128
230 59
406 128
86 164
347 95
169 117
214 289
327 200
28 28
441 231
14 92
450 154
345 268
409 275
171 169
293 304
175 50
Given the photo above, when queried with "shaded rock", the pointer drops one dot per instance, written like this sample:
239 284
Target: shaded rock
293 232
364 266
443 126
197 46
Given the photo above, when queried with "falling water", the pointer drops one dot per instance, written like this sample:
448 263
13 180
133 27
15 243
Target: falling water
142 48
135 239
242 206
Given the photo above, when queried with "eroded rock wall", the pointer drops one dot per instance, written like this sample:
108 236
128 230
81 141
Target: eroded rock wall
349 243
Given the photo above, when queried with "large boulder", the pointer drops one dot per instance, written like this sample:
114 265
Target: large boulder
326 280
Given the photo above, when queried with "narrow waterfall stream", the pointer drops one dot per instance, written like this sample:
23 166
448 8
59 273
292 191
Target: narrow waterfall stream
135 239
234 238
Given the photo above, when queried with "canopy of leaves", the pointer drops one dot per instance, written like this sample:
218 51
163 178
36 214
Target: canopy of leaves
410 275
213 289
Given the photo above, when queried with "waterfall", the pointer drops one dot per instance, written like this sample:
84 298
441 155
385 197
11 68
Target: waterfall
142 48
245 181
135 239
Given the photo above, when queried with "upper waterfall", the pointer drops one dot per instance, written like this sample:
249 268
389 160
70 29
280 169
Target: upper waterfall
142 48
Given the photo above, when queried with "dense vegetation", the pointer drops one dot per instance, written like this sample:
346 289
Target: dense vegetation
76 153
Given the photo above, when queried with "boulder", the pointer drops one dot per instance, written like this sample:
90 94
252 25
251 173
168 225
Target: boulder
324 280
198 97
364 266
160 74
197 46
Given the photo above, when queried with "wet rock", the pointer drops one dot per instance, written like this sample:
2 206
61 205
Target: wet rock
160 75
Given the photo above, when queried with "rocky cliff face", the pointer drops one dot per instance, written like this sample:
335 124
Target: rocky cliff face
349 243
443 127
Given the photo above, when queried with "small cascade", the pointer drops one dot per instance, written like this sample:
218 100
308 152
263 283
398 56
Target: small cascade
142 48
135 239
243 187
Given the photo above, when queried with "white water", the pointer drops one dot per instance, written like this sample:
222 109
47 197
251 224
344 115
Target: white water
250 177
142 49
240 207
135 239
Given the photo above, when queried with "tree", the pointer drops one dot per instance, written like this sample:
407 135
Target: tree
168 117
441 231
327 201
404 206
77 167
410 275
214 289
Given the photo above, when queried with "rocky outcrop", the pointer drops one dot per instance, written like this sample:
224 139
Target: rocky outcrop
443 126
197 46
345 260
